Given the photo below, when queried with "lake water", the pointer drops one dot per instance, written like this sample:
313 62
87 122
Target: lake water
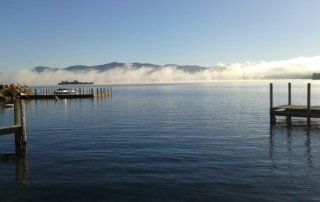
188 142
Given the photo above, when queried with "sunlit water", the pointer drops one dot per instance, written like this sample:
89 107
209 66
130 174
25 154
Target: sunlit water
191 142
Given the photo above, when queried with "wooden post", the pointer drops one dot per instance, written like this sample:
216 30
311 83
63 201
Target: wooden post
272 117
22 169
16 112
289 93
308 104
16 121
23 122
21 146
21 136
289 103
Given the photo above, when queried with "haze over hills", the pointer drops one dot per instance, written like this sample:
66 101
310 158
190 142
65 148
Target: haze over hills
109 66
127 73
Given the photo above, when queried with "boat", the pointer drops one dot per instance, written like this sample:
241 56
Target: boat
75 82
65 91
8 105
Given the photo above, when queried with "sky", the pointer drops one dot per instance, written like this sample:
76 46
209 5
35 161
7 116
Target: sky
60 33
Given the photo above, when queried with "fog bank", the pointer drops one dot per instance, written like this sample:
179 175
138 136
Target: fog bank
297 68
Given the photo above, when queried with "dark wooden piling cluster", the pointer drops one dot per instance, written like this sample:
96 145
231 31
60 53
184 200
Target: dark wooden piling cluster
69 93
18 128
307 111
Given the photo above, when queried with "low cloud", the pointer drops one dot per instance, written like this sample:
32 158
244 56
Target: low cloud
297 68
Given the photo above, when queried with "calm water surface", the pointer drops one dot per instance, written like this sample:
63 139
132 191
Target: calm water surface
191 142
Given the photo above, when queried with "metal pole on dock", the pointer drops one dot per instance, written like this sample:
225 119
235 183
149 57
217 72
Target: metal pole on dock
308 104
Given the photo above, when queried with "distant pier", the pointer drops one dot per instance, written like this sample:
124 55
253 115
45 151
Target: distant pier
288 110
68 93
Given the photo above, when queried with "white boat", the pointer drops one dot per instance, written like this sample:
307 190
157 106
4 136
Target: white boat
8 105
64 91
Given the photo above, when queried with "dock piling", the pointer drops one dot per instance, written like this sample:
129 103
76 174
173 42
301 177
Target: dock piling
308 104
21 134
272 117
289 103
23 122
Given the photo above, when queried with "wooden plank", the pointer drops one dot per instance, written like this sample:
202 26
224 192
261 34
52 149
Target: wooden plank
10 129
296 107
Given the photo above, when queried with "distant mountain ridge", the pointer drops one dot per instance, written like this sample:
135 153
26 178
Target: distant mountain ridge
112 65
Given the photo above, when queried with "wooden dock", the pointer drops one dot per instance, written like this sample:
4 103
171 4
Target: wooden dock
18 128
55 96
77 93
306 111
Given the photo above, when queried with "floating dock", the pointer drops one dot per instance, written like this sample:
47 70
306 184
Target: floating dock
306 111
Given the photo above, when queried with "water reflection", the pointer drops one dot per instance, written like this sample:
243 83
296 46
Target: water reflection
20 160
308 148
281 135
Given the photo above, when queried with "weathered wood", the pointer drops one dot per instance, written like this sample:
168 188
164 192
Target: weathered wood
308 104
297 107
23 122
16 112
297 111
306 111
289 103
272 117
10 129
17 107
22 168
289 93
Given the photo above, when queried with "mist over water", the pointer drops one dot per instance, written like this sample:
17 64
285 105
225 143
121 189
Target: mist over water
296 68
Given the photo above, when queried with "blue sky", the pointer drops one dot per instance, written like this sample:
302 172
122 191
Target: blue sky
60 33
